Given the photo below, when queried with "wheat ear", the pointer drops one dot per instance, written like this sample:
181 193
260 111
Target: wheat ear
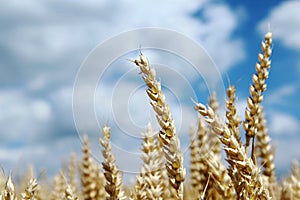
222 181
69 193
256 89
291 185
150 178
30 191
89 187
9 192
73 173
203 150
194 166
249 181
168 192
59 186
199 154
167 134
100 182
112 174
233 121
264 150
214 142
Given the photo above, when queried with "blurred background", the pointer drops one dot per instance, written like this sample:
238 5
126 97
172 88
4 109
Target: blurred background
44 43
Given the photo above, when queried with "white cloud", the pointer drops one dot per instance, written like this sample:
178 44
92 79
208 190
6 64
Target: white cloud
42 110
22 115
283 124
49 39
285 23
286 150
279 95
75 33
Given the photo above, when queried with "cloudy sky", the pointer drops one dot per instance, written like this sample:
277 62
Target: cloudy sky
44 44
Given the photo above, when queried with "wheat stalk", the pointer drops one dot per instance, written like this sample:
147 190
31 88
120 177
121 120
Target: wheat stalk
167 134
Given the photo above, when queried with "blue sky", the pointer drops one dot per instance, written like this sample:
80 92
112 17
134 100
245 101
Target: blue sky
43 44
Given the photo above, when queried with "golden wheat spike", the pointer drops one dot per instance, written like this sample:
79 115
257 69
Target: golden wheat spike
31 190
248 183
87 173
258 86
112 174
167 134
149 181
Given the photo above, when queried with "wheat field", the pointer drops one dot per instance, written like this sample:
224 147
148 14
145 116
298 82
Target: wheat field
246 172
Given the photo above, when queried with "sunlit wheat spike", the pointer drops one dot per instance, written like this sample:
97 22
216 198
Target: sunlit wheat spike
233 121
9 192
194 157
87 173
199 154
290 187
265 154
59 186
112 174
69 193
213 140
256 89
167 134
149 181
248 183
30 191
221 180
73 173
